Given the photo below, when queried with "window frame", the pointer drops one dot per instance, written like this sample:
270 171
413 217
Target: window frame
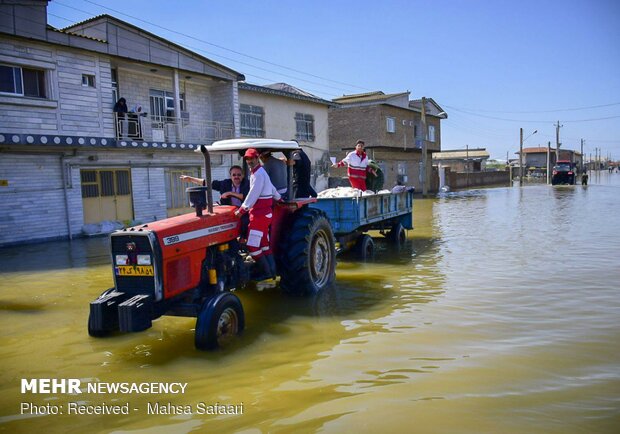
20 89
390 124
252 118
88 80
161 103
431 133
304 127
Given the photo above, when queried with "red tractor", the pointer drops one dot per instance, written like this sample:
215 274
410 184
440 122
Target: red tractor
188 265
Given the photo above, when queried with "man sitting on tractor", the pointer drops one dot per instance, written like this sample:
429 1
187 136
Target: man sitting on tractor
259 203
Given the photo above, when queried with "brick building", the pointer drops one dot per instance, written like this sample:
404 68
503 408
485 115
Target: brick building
391 127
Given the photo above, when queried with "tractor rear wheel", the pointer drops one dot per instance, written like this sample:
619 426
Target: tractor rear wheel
220 319
308 258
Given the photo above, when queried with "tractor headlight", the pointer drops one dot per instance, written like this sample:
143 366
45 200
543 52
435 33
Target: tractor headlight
122 260
144 259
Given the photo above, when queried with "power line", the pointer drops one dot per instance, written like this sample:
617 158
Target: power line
528 121
216 45
538 111
211 54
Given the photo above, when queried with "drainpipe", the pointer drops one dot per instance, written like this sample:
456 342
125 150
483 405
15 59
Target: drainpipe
63 169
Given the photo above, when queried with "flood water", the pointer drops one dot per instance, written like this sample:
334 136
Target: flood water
500 314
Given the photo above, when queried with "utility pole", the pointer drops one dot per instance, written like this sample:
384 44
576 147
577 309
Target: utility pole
424 157
596 159
520 157
548 162
582 159
467 163
557 141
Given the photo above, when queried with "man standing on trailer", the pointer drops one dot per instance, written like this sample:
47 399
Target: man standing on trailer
259 203
357 163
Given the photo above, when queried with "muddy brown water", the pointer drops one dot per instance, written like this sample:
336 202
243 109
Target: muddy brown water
500 314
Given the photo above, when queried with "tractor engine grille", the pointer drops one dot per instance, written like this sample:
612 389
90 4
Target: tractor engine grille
134 284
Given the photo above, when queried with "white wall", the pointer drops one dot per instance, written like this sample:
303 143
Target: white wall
280 124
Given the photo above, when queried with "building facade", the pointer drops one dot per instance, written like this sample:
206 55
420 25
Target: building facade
462 160
536 158
69 163
282 111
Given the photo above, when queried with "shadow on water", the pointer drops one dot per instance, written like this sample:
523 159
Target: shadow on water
21 307
55 255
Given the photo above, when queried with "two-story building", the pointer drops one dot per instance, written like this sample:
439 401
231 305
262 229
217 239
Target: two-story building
282 111
392 127
68 162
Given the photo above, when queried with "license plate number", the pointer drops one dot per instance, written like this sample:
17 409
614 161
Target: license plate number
134 270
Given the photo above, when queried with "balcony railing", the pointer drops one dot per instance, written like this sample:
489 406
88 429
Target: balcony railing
168 129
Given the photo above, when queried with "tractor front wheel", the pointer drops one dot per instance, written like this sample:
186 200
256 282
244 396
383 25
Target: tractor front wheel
220 319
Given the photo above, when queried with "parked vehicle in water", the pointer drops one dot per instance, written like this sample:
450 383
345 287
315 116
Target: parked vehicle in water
563 173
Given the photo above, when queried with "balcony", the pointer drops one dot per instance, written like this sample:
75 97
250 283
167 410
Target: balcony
142 127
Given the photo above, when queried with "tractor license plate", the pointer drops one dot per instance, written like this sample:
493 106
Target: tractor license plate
134 270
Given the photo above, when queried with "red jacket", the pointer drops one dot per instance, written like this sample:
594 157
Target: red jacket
357 164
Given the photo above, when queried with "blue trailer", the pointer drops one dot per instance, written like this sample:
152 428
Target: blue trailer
351 217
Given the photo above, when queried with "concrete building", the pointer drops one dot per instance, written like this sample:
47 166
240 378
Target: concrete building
282 111
391 127
462 160
68 163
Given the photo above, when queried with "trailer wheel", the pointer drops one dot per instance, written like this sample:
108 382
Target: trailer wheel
220 319
397 234
308 259
364 247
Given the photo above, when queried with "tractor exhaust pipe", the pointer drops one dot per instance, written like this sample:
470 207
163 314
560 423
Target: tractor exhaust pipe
207 157
197 195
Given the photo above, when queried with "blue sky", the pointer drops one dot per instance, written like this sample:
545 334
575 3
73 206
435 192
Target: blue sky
494 66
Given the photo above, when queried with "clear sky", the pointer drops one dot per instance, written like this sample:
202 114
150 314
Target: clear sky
493 66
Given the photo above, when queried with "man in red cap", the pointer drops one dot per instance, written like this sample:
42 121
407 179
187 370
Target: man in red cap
259 203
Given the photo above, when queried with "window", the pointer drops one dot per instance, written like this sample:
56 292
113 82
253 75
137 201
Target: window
22 81
162 104
431 133
305 127
252 121
391 124
105 183
114 85
88 80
